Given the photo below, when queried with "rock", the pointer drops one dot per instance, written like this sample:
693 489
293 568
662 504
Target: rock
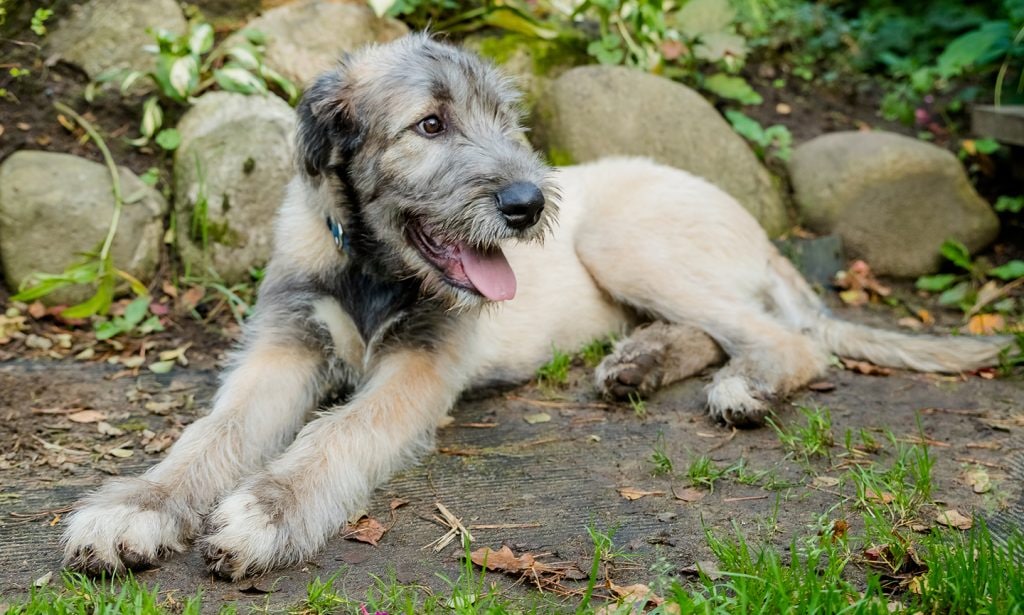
235 150
102 34
307 37
595 111
54 207
892 199
818 259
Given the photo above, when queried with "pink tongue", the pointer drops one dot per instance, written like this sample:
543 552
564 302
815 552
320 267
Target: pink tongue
489 272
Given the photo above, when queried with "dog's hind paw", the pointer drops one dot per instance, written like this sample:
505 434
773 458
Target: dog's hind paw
128 524
732 400
633 368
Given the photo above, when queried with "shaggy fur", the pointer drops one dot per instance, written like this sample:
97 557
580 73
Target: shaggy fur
397 332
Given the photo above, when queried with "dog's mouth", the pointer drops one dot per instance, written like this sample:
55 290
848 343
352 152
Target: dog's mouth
484 271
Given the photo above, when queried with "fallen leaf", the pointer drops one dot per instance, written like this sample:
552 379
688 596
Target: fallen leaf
824 481
87 416
44 580
985 324
632 493
121 452
705 567
37 310
911 323
163 407
859 284
540 417
879 498
503 560
38 342
191 297
953 518
839 529
367 530
635 596
689 495
821 386
926 317
979 480
397 503
161 367
107 429
863 367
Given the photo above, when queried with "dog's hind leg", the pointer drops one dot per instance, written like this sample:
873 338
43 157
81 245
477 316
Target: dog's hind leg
654 356
132 522
287 512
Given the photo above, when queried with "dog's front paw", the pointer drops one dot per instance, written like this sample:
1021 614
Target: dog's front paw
733 401
249 534
127 524
633 368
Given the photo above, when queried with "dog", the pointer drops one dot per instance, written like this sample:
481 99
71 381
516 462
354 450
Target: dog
423 249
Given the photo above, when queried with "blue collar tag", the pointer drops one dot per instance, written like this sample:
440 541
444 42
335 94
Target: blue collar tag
340 238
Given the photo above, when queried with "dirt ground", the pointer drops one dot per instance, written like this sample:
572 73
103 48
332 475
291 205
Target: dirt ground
534 486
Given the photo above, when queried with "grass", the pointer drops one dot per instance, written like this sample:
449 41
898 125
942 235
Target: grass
660 459
555 372
638 405
812 439
596 350
703 472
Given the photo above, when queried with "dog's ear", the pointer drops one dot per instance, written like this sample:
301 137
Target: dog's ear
327 127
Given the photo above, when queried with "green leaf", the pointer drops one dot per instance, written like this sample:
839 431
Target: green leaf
152 117
151 176
955 295
246 56
99 303
234 78
136 311
957 253
936 283
1012 204
183 76
381 7
109 328
701 17
201 39
720 46
514 20
282 82
746 126
1010 271
986 146
736 88
254 36
169 139
967 49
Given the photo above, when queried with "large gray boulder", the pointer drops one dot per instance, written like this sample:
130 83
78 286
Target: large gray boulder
234 160
307 37
892 199
103 34
596 111
55 207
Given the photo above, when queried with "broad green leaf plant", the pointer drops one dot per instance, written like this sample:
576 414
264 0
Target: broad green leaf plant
188 65
974 287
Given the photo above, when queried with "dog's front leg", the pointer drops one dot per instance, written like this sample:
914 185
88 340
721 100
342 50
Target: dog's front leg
131 522
287 512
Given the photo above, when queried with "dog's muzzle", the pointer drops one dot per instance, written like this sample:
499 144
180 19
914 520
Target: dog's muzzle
521 203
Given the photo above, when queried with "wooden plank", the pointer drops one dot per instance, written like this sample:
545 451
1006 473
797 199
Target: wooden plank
1004 123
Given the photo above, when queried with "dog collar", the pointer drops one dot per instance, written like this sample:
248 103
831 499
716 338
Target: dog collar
340 238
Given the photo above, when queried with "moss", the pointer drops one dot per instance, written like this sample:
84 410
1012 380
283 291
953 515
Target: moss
543 56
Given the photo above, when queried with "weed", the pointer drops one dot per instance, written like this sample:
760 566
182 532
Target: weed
814 439
973 288
97 268
638 405
660 459
39 19
703 472
594 352
555 372
775 140
132 321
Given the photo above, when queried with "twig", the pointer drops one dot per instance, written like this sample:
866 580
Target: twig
746 498
560 404
987 464
504 526
723 442
1002 292
455 528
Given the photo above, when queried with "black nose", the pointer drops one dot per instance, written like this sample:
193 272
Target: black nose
521 204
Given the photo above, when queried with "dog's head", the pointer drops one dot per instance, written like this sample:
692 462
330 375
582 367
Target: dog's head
420 146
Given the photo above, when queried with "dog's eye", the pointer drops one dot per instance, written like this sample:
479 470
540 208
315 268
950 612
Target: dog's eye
431 126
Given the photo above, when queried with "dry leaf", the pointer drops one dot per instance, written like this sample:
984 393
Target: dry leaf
986 324
879 498
705 567
822 482
120 452
689 495
638 595
911 323
822 386
863 367
397 503
367 530
632 493
107 429
979 480
87 416
953 518
540 417
859 284
839 529
503 560
191 297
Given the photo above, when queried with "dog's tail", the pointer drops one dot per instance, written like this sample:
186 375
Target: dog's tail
802 308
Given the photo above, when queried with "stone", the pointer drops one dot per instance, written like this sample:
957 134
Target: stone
818 259
99 35
592 112
893 199
307 37
236 156
54 207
